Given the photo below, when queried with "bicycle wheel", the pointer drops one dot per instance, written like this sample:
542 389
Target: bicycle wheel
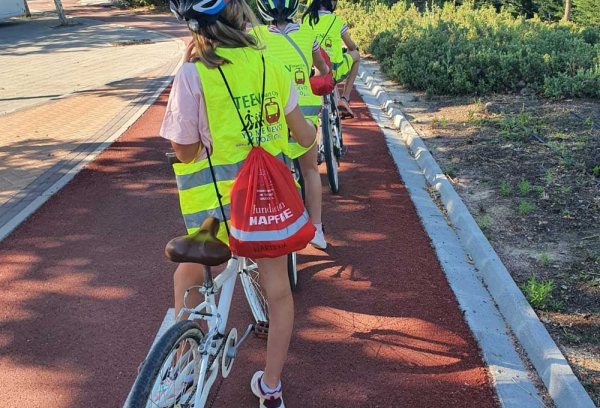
329 151
256 298
298 177
169 376
292 271
338 126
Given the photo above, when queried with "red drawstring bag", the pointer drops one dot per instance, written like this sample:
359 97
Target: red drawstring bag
323 85
268 218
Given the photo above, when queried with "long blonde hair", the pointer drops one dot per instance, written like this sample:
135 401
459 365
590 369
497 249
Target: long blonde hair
238 13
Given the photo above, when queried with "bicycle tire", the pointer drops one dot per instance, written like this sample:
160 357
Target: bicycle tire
299 178
329 151
256 298
338 124
142 387
293 270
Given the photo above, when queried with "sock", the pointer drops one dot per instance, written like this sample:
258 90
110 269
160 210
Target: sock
319 227
268 390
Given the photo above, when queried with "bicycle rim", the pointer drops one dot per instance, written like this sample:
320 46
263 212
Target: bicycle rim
169 376
256 298
329 151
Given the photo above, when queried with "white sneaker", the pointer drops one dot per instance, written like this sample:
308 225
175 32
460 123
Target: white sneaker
267 400
319 240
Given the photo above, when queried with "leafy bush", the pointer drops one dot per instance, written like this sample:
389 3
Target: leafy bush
459 50
367 19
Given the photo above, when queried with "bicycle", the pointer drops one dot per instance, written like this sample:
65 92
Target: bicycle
331 145
184 364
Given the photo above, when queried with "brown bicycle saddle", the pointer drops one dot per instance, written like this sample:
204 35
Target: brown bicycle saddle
202 247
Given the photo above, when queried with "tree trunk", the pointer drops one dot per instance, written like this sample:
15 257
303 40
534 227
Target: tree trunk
27 12
61 13
567 16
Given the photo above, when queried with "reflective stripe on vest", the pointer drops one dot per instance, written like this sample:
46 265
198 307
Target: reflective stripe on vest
195 220
230 147
254 236
223 172
310 110
279 47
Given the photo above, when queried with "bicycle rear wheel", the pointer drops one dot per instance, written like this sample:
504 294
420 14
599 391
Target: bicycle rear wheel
331 159
299 178
169 376
292 270
256 298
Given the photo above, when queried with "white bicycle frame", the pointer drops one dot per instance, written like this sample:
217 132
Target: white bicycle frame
216 316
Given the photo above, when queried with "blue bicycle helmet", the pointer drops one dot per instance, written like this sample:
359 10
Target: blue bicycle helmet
199 13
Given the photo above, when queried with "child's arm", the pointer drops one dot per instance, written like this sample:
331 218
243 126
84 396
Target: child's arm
348 42
303 130
186 153
320 64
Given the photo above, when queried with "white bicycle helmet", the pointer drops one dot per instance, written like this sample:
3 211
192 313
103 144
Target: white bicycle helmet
199 13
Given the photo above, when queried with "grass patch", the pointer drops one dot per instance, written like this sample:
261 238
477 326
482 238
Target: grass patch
505 189
525 207
524 187
484 221
538 293
545 260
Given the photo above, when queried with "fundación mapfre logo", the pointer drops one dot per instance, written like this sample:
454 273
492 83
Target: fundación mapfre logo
270 214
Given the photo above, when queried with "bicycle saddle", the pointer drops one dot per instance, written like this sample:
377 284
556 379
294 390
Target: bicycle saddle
202 247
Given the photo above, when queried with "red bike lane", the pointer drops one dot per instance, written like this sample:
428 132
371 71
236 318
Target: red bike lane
84 286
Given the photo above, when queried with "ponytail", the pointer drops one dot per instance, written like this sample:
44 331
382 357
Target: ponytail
313 10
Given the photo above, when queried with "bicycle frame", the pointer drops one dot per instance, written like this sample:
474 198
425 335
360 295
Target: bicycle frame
216 316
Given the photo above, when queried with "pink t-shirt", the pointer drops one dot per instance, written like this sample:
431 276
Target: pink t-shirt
186 121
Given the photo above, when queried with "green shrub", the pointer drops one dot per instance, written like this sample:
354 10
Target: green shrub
458 50
368 19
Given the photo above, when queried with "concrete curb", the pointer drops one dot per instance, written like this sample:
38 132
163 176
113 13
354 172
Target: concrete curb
563 386
26 212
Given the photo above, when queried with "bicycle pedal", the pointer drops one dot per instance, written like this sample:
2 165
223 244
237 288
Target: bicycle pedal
261 330
344 150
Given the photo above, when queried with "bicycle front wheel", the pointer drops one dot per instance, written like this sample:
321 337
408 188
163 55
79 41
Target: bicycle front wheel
329 151
169 376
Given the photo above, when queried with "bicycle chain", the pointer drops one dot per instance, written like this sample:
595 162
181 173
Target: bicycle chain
210 363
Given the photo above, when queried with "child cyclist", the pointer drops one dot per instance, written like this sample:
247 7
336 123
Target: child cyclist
297 48
331 31
230 77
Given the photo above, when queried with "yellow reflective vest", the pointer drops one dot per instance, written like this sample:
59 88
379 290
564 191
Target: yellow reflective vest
327 31
279 47
231 146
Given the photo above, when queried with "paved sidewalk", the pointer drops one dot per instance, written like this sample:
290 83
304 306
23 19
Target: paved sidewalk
66 91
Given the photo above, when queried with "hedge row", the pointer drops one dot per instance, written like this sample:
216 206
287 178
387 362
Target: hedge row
458 50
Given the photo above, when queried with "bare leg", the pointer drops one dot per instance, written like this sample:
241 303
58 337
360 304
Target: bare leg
312 183
186 275
353 73
274 280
